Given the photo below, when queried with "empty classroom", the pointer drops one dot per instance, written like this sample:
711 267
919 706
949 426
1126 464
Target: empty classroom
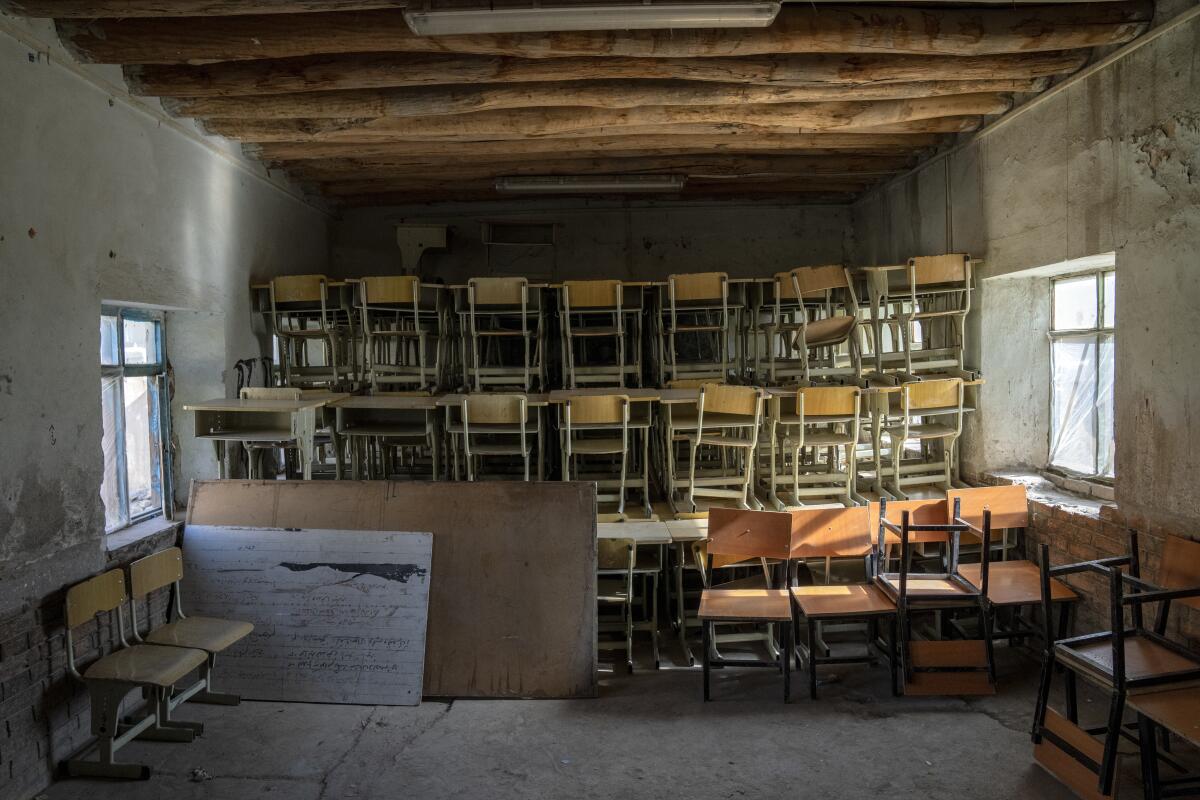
596 398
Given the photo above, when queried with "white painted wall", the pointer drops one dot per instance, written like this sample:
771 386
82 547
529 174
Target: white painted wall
102 198
1108 163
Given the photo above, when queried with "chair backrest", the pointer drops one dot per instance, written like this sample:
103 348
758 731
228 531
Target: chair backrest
687 383
830 532
1008 504
749 534
598 409
614 554
785 286
154 572
592 294
298 288
698 286
85 600
921 512
499 291
1181 567
494 409
927 395
390 289
934 270
828 401
813 280
269 393
717 398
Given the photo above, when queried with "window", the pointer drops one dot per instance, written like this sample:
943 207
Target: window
132 398
1081 366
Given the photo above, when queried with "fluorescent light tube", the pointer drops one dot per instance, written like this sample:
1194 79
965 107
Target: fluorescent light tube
466 21
591 183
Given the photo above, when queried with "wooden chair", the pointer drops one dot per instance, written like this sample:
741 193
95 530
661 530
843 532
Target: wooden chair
929 511
1013 586
833 324
920 399
736 536
152 668
830 417
604 415
935 289
734 414
698 309
165 568
398 332
939 667
592 314
1124 660
302 312
828 533
1176 711
499 311
776 322
615 561
495 425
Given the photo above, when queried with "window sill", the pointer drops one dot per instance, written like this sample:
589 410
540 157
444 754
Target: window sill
1040 489
144 538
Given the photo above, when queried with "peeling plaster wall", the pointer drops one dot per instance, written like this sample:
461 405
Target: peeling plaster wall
605 240
100 200
1110 163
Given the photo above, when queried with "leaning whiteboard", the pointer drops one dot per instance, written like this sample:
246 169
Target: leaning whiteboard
339 616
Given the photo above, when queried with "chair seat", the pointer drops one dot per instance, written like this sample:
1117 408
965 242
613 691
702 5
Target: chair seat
1016 583
830 330
1145 659
842 600
146 664
828 439
770 605
928 430
499 450
685 418
597 446
721 440
697 328
1177 710
925 587
601 331
408 333
203 633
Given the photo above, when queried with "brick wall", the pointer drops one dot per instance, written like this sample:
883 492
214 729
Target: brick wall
44 712
1080 530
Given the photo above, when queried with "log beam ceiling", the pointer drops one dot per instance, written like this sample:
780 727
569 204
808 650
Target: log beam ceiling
824 103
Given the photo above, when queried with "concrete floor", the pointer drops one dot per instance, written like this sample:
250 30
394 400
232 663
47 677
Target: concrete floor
647 735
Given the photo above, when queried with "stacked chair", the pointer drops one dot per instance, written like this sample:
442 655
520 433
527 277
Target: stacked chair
595 324
306 315
401 333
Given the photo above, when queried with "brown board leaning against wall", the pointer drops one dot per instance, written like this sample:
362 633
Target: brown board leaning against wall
512 607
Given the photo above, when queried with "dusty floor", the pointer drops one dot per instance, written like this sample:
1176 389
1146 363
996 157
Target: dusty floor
647 735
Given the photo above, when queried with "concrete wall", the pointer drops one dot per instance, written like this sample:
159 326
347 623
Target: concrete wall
1107 163
634 241
100 200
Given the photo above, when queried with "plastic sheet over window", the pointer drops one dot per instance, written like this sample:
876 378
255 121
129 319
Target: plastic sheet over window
1081 431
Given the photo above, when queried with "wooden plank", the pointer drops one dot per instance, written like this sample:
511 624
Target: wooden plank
1075 776
433 101
950 653
339 616
1008 504
833 532
89 9
512 612
537 122
1177 710
1181 567
797 29
389 70
285 153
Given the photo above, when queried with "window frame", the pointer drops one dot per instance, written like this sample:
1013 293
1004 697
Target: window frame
157 373
1096 334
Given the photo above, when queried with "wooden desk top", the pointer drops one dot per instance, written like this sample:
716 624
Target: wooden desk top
635 395
532 399
224 404
1177 710
388 402
1016 583
645 532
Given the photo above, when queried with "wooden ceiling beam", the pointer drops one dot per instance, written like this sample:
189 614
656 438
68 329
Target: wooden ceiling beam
691 165
283 153
541 122
436 101
301 131
397 70
850 28
407 198
487 186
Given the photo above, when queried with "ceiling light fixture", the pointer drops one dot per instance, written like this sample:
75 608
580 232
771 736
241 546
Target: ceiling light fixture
565 184
466 21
